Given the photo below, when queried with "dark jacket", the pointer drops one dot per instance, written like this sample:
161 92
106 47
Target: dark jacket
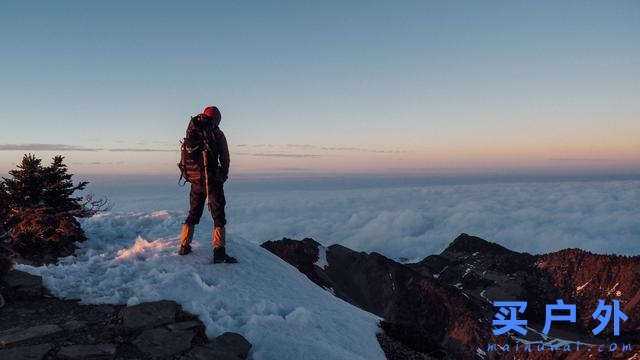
205 126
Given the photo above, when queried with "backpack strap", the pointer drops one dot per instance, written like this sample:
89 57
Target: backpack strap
206 134
181 178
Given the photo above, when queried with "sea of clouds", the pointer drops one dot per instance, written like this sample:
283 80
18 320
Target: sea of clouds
412 221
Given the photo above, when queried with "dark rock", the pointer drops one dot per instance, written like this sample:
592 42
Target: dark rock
74 325
303 254
32 352
185 325
208 353
162 343
75 329
148 315
395 350
106 309
228 346
24 285
467 244
232 343
81 352
15 335
5 262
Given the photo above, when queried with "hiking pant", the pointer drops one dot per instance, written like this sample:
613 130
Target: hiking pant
197 197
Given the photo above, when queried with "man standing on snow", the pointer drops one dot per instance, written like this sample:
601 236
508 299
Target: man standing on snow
208 144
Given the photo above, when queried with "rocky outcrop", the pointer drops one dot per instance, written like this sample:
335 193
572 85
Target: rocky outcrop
149 315
418 311
442 306
21 285
486 272
35 325
228 346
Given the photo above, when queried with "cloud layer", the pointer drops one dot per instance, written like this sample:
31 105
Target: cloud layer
412 222
44 147
62 147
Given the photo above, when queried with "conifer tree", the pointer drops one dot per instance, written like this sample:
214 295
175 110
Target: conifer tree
23 189
39 207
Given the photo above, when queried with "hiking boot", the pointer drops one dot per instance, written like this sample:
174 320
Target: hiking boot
220 256
219 237
184 250
185 239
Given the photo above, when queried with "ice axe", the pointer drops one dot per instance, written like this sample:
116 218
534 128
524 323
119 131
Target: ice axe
206 174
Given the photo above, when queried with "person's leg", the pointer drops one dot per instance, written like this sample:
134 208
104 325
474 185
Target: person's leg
197 197
217 203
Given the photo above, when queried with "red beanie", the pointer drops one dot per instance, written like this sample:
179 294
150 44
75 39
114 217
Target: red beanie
212 111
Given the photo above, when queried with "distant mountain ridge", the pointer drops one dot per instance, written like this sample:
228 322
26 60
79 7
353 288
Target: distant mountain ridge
441 307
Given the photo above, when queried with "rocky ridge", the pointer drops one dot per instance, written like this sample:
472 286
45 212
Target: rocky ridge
442 306
35 325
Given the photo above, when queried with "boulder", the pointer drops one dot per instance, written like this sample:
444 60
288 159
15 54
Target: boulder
232 343
149 315
81 352
24 285
208 353
162 343
186 325
31 352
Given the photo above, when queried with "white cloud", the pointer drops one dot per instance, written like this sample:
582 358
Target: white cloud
417 221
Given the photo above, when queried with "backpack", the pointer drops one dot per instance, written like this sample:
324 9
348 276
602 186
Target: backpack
199 138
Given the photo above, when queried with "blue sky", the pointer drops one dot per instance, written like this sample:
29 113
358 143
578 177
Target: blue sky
325 86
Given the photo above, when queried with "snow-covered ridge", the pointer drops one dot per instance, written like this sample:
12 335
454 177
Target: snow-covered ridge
131 258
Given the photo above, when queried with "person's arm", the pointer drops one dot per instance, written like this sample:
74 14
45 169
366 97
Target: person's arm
223 151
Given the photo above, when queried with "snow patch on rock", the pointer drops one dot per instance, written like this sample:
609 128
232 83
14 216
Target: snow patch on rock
322 257
618 293
579 288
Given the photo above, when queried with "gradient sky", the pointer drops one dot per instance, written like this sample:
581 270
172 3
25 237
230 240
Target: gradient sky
325 86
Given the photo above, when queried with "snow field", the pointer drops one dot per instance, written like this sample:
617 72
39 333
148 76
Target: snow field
131 258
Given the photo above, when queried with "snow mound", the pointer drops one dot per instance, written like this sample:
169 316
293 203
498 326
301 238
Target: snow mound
131 258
